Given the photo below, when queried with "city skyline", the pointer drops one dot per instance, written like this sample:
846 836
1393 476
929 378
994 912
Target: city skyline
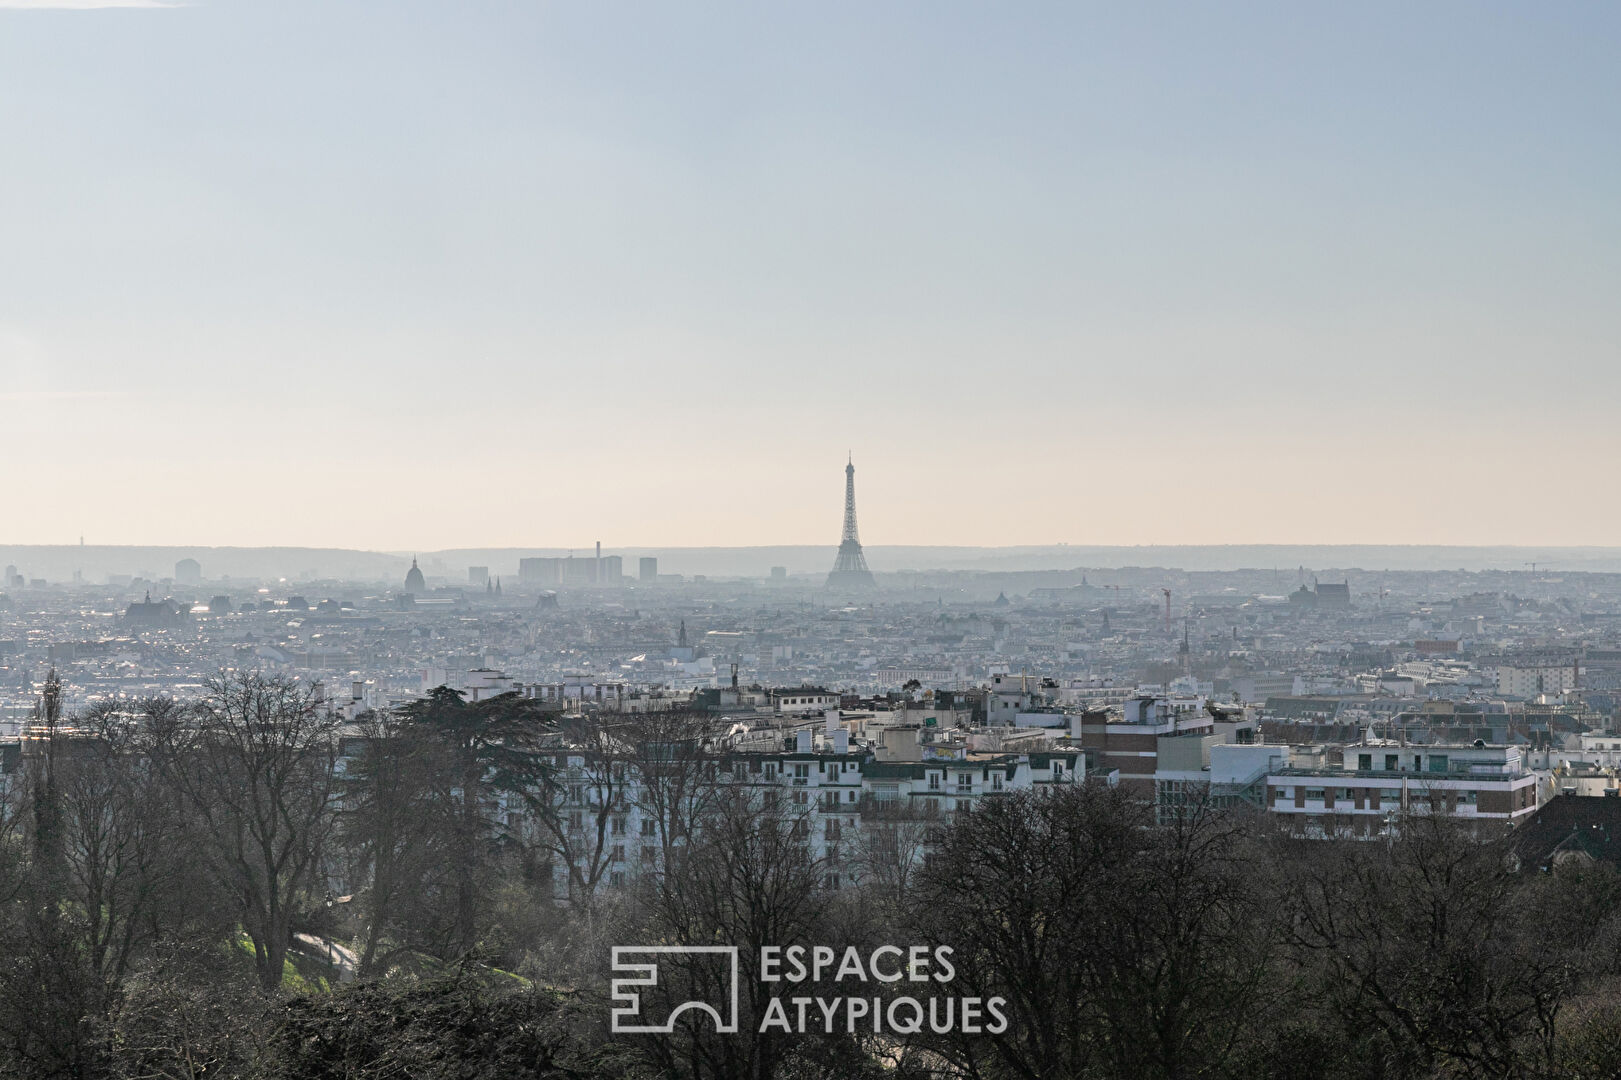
439 636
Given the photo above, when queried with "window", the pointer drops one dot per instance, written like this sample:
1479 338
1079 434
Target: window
1314 793
996 781
575 821
965 781
616 879
1390 794
801 770
832 881
1466 798
934 781
1438 763
852 796
618 827
1392 763
962 805
617 854
1058 769
833 827
1364 762
650 855
649 827
771 771
1349 793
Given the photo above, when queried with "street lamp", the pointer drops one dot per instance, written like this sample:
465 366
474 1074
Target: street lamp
331 951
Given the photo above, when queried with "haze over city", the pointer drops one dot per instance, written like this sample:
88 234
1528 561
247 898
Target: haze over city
416 276
579 540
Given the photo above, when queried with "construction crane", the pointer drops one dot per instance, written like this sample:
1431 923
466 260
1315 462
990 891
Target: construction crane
1167 593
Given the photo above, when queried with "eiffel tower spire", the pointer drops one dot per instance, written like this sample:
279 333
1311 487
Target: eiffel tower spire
850 568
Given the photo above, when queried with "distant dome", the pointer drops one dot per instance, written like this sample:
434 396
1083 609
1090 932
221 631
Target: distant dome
414 582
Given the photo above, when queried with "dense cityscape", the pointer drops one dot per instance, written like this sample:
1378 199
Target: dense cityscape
873 742
722 541
1242 679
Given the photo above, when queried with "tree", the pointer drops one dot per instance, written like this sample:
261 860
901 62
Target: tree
126 846
492 755
888 850
255 759
454 1027
1424 943
675 773
1121 949
746 877
582 808
400 838
185 1016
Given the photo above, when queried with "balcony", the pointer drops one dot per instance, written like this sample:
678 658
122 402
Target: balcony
1461 771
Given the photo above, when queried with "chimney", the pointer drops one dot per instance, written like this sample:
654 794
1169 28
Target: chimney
357 691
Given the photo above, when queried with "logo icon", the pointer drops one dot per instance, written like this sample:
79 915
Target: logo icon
625 992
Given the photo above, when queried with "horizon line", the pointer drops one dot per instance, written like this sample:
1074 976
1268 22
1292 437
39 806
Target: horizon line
587 550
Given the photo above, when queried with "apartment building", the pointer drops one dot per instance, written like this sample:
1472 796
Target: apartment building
1533 677
1131 742
1369 783
832 793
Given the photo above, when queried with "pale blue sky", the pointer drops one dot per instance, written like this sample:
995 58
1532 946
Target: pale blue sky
420 275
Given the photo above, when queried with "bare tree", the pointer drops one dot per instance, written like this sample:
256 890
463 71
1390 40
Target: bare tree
1121 949
887 853
746 877
255 760
675 772
582 807
1423 941
126 844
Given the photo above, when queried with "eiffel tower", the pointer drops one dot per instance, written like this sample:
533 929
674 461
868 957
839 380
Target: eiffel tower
850 568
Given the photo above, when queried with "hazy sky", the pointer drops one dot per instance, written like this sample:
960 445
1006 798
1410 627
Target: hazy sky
413 275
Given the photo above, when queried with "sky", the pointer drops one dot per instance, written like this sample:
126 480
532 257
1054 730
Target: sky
417 275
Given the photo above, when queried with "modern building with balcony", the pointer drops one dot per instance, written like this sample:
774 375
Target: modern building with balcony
1372 783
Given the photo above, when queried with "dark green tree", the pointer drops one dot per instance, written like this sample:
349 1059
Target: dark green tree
493 766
